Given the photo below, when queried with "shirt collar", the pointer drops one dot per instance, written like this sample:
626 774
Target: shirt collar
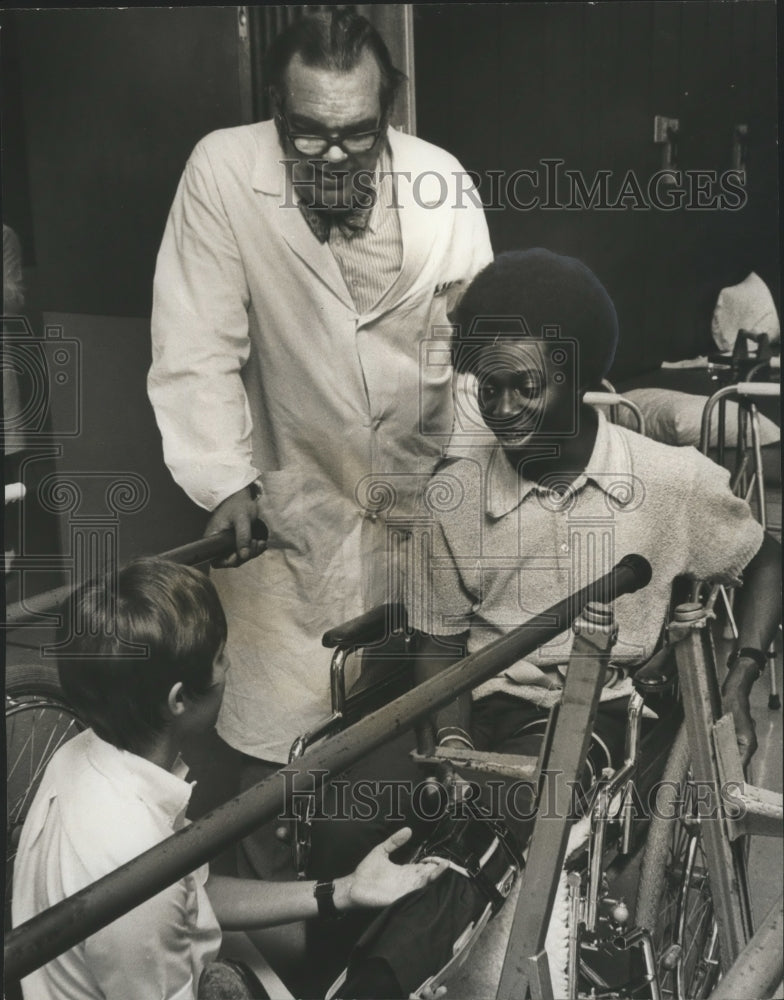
167 791
609 468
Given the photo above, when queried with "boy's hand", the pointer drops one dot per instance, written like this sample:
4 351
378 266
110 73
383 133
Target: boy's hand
378 881
238 512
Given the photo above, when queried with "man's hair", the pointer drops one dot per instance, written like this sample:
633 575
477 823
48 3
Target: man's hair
129 639
523 291
336 40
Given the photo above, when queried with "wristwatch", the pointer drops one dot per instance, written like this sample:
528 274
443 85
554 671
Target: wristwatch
324 893
256 488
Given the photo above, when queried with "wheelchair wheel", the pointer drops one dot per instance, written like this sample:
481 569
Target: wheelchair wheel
674 900
37 722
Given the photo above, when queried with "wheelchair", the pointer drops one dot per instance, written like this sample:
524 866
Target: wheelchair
605 837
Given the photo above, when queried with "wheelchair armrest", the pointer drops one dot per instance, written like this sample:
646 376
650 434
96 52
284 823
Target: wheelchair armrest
370 627
326 727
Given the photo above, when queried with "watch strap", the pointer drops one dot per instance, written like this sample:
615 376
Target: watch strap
325 893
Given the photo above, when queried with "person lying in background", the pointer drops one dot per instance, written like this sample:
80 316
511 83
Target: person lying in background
119 788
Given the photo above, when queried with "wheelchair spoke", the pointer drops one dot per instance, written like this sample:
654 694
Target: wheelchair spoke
36 728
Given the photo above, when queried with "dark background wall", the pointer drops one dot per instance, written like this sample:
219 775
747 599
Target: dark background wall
504 86
113 101
103 108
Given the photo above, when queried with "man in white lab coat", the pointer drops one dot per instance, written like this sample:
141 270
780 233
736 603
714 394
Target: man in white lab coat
306 267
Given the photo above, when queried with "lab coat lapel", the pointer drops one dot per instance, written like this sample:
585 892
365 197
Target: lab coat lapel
417 225
269 180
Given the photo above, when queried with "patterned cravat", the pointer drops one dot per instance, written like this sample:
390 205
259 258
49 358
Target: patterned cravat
322 222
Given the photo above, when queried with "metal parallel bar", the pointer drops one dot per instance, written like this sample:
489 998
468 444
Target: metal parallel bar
62 926
573 727
702 707
758 968
202 550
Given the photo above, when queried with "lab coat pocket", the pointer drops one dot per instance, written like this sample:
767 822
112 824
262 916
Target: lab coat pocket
282 508
306 516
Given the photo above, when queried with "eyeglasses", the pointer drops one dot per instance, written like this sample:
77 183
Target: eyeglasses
316 145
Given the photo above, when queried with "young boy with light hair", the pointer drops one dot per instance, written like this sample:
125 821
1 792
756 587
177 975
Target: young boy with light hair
145 671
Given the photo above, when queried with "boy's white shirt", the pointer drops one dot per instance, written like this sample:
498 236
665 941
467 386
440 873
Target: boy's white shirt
96 808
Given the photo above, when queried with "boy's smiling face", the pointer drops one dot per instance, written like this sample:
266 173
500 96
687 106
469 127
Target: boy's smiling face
523 392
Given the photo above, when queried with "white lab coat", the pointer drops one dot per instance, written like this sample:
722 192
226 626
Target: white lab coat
262 364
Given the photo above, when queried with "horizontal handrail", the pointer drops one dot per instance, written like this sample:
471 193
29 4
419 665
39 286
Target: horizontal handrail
62 926
215 546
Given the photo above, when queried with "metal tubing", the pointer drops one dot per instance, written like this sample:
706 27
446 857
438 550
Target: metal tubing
613 400
742 389
567 754
636 705
62 926
595 859
214 546
337 680
702 707
707 413
759 476
758 968
600 814
642 937
573 881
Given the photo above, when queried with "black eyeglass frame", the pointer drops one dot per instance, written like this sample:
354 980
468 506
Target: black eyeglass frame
335 139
